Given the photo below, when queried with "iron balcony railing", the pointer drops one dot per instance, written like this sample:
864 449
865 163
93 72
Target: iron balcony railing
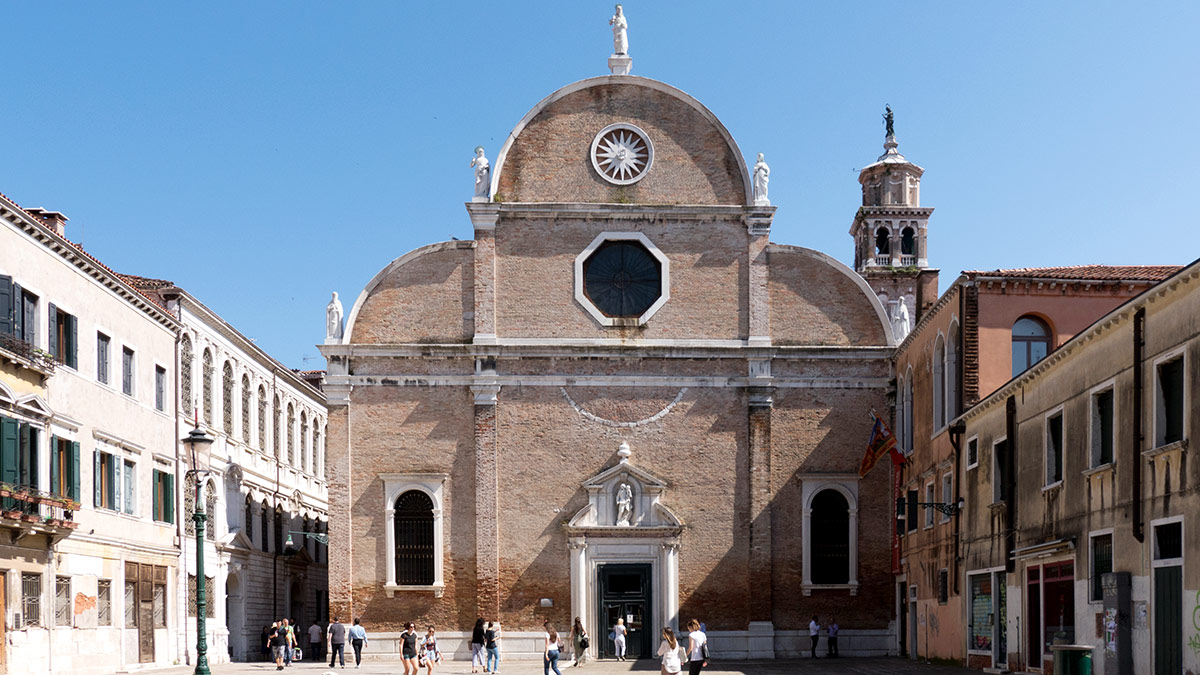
38 359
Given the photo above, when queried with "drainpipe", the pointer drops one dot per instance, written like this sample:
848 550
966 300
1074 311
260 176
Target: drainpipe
956 433
1010 483
1139 349
181 649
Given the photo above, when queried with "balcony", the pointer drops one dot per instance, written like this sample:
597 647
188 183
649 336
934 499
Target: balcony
31 511
908 261
882 261
26 354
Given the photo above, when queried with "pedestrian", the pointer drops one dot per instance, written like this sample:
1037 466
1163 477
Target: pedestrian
491 642
579 640
278 644
265 643
358 640
337 642
550 653
478 643
315 635
670 652
408 648
618 638
697 648
289 641
814 634
831 649
430 654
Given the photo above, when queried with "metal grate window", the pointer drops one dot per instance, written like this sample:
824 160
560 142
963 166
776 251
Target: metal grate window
206 386
943 586
62 601
246 409
1102 560
227 398
304 442
160 605
31 599
104 602
291 435
185 374
189 504
210 604
413 517
131 613
830 543
262 419
210 510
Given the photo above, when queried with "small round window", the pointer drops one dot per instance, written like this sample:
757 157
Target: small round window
622 154
622 278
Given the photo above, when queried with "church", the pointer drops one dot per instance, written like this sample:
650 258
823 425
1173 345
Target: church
621 399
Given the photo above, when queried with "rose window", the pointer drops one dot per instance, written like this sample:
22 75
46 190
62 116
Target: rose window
622 154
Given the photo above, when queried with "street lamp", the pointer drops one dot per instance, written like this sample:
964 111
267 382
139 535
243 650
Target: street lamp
319 536
949 509
197 441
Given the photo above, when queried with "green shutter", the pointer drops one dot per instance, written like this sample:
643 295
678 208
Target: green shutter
169 497
7 303
97 479
54 465
75 494
8 450
54 333
19 329
157 488
72 341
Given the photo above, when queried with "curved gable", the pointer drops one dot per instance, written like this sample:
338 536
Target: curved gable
816 300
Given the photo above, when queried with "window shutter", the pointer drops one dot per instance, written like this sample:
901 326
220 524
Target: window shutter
169 497
54 468
126 372
18 313
8 450
54 333
97 480
6 305
72 326
114 479
75 494
130 484
159 493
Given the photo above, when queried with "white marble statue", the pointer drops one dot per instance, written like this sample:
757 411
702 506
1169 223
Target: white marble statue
483 176
624 505
620 35
901 324
333 320
762 176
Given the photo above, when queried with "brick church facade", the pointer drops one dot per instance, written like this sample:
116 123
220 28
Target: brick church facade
620 398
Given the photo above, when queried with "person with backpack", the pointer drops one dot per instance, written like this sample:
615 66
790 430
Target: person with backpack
670 652
697 648
580 641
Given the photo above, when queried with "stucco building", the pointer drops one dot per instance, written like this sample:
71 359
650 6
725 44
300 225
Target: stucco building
618 399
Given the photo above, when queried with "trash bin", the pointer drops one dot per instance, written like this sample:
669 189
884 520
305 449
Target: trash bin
1072 659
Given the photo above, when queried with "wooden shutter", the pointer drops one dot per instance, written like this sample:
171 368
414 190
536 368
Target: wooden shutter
72 341
75 493
97 480
21 329
156 489
8 450
169 497
130 484
7 303
54 333
54 469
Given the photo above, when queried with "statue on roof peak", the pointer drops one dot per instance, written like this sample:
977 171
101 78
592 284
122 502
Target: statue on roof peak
889 119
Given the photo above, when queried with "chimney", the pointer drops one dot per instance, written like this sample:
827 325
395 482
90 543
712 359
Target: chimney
54 220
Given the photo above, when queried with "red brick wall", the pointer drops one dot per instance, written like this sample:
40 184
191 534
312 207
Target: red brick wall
430 298
812 303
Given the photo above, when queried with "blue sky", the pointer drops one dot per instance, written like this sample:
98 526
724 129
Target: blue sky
263 154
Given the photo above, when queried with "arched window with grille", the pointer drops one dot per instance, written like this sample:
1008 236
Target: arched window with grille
279 529
189 505
291 435
227 397
319 452
264 527
939 383
206 385
830 538
210 510
248 526
413 525
908 242
1031 342
185 375
246 394
262 419
883 246
303 442
953 361
278 440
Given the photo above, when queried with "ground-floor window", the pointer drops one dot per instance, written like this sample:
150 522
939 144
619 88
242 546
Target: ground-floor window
1050 606
62 601
31 599
987 629
104 602
982 617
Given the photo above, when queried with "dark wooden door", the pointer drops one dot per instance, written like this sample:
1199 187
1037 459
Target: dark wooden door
1168 620
626 591
3 633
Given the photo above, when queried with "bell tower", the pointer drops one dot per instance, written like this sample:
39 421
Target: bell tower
890 230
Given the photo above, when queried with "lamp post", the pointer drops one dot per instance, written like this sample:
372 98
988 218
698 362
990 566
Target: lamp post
196 437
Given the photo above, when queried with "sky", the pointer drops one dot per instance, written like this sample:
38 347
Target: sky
264 154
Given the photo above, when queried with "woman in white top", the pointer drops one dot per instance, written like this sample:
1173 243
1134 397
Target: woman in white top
671 653
696 641
550 655
619 639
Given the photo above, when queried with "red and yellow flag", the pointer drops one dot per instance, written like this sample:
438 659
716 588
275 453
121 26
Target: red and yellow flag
882 443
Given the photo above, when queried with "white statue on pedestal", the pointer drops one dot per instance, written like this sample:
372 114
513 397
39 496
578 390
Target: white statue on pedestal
762 176
620 36
624 503
483 176
901 325
333 320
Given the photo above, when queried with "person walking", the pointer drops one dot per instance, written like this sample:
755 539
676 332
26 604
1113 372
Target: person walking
814 634
265 643
289 641
358 640
670 652
430 654
315 640
478 643
831 648
579 640
697 648
618 638
408 648
550 653
337 642
491 638
278 644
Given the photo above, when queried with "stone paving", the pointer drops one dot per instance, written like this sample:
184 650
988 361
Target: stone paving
844 666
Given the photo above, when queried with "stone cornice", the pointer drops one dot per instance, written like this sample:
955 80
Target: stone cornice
495 384
483 211
667 349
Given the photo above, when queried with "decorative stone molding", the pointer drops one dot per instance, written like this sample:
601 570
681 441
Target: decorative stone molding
613 423
394 485
592 309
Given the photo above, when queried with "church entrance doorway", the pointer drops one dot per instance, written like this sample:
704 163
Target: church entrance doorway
625 593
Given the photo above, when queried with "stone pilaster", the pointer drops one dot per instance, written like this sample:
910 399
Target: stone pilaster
338 472
758 227
487 501
760 564
484 217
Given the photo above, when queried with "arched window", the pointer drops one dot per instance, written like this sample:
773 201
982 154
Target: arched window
883 242
939 383
953 361
1030 343
291 435
248 526
278 442
189 505
185 374
227 397
901 439
210 510
908 409
414 538
264 528
246 394
908 242
318 452
830 538
262 419
303 442
278 529
206 384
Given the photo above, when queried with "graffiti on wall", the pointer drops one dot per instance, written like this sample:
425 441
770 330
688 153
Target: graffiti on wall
1194 640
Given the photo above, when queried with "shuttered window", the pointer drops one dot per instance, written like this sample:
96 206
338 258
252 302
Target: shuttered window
102 346
164 497
413 518
64 337
127 371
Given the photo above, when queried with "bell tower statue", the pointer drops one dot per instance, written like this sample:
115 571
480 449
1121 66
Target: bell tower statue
889 230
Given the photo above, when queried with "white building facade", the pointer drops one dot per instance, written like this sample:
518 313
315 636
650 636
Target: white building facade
88 556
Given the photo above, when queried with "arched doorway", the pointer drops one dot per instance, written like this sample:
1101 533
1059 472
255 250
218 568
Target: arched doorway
235 615
296 606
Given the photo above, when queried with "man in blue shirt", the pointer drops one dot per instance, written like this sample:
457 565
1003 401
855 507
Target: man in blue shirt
358 639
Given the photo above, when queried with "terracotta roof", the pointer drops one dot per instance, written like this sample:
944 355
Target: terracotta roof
145 283
1085 272
308 373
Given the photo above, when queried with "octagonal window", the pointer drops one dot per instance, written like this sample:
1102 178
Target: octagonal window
621 279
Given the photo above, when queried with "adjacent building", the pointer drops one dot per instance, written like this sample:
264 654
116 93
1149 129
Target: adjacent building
89 561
